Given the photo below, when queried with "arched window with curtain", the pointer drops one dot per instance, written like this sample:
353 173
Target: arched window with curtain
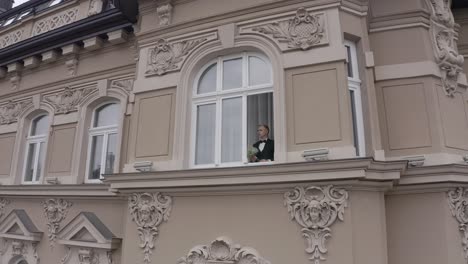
232 95
36 146
103 136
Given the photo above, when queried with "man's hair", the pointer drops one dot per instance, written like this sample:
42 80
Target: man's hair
265 126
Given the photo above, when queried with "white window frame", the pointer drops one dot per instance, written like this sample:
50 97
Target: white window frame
104 131
354 84
217 97
36 140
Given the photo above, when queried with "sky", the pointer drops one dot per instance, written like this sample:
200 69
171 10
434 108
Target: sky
19 2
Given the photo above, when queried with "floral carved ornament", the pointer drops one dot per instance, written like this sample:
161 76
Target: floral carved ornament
11 110
166 57
304 31
68 100
316 209
148 211
458 202
55 211
222 250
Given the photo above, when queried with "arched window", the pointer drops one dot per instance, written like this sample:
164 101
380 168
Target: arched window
232 95
102 141
36 149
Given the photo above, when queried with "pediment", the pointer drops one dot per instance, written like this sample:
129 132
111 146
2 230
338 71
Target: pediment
18 225
87 230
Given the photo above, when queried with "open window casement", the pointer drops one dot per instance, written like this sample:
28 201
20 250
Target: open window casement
20 238
88 240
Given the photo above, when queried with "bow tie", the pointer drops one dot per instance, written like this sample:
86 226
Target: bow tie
263 141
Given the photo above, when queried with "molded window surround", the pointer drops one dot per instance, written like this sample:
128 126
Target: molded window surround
354 87
103 141
231 96
36 149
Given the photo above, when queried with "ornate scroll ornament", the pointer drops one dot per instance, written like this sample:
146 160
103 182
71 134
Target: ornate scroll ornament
59 20
95 7
11 110
444 39
164 14
304 31
148 211
458 202
221 250
68 100
72 65
11 38
126 84
166 57
316 210
55 210
3 203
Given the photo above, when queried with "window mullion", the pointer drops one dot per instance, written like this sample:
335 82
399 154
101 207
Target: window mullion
244 129
218 127
245 70
219 75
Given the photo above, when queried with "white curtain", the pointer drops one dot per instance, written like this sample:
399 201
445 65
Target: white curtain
206 127
231 135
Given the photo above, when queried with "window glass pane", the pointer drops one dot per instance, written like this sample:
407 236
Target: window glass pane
41 160
350 62
40 126
95 159
9 21
110 154
207 81
206 127
231 135
232 74
106 115
259 71
29 172
259 111
55 2
354 117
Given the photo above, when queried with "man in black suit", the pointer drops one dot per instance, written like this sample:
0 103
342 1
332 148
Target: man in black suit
265 146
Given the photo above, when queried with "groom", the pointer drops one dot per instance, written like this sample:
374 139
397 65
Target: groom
265 146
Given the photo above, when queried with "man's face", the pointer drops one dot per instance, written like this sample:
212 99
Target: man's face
262 132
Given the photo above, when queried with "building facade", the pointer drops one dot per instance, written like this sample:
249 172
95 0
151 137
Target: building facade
126 131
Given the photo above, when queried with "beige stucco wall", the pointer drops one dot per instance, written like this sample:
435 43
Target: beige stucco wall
421 229
262 221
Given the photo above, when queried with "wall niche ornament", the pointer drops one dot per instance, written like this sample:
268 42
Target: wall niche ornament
316 209
304 31
10 111
445 38
55 211
222 250
458 202
148 211
3 203
68 100
168 56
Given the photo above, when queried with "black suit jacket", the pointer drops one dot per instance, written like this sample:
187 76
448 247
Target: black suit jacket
268 152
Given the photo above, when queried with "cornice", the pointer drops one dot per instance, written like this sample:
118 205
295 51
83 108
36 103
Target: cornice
448 173
60 190
365 169
419 18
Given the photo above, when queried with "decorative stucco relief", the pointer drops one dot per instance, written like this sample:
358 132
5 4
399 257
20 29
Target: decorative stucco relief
55 211
164 12
55 21
11 38
167 56
68 100
95 7
148 211
444 39
304 31
222 250
123 84
316 209
10 111
3 203
458 202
